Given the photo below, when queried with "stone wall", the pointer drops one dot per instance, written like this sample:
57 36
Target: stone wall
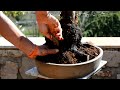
112 69
14 63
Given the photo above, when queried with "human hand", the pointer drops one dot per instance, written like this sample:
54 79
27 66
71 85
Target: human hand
42 51
49 26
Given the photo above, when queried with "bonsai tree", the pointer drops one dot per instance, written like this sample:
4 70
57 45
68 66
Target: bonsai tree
71 49
71 32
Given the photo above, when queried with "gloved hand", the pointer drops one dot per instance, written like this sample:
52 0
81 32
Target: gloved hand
42 51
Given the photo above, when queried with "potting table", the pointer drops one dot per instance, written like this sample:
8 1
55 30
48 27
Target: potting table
34 72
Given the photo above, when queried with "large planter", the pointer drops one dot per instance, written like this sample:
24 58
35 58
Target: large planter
69 71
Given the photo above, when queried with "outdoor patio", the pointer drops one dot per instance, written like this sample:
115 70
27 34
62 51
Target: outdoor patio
14 63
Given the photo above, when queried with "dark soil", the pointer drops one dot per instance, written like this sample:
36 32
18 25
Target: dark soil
71 49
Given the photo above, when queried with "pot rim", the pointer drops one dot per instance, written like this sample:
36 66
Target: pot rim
86 62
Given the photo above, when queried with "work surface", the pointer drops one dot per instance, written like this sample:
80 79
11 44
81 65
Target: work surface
34 72
107 42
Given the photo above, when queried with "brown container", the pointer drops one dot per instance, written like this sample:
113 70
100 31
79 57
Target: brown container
69 71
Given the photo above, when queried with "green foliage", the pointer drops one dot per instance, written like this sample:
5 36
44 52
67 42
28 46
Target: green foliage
101 24
14 14
92 23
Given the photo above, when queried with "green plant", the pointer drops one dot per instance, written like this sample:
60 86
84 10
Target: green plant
15 14
101 24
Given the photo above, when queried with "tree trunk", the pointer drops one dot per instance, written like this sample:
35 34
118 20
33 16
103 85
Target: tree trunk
70 17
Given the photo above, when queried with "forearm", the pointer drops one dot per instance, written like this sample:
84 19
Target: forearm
10 32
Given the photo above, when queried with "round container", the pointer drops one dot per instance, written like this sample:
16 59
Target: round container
69 71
